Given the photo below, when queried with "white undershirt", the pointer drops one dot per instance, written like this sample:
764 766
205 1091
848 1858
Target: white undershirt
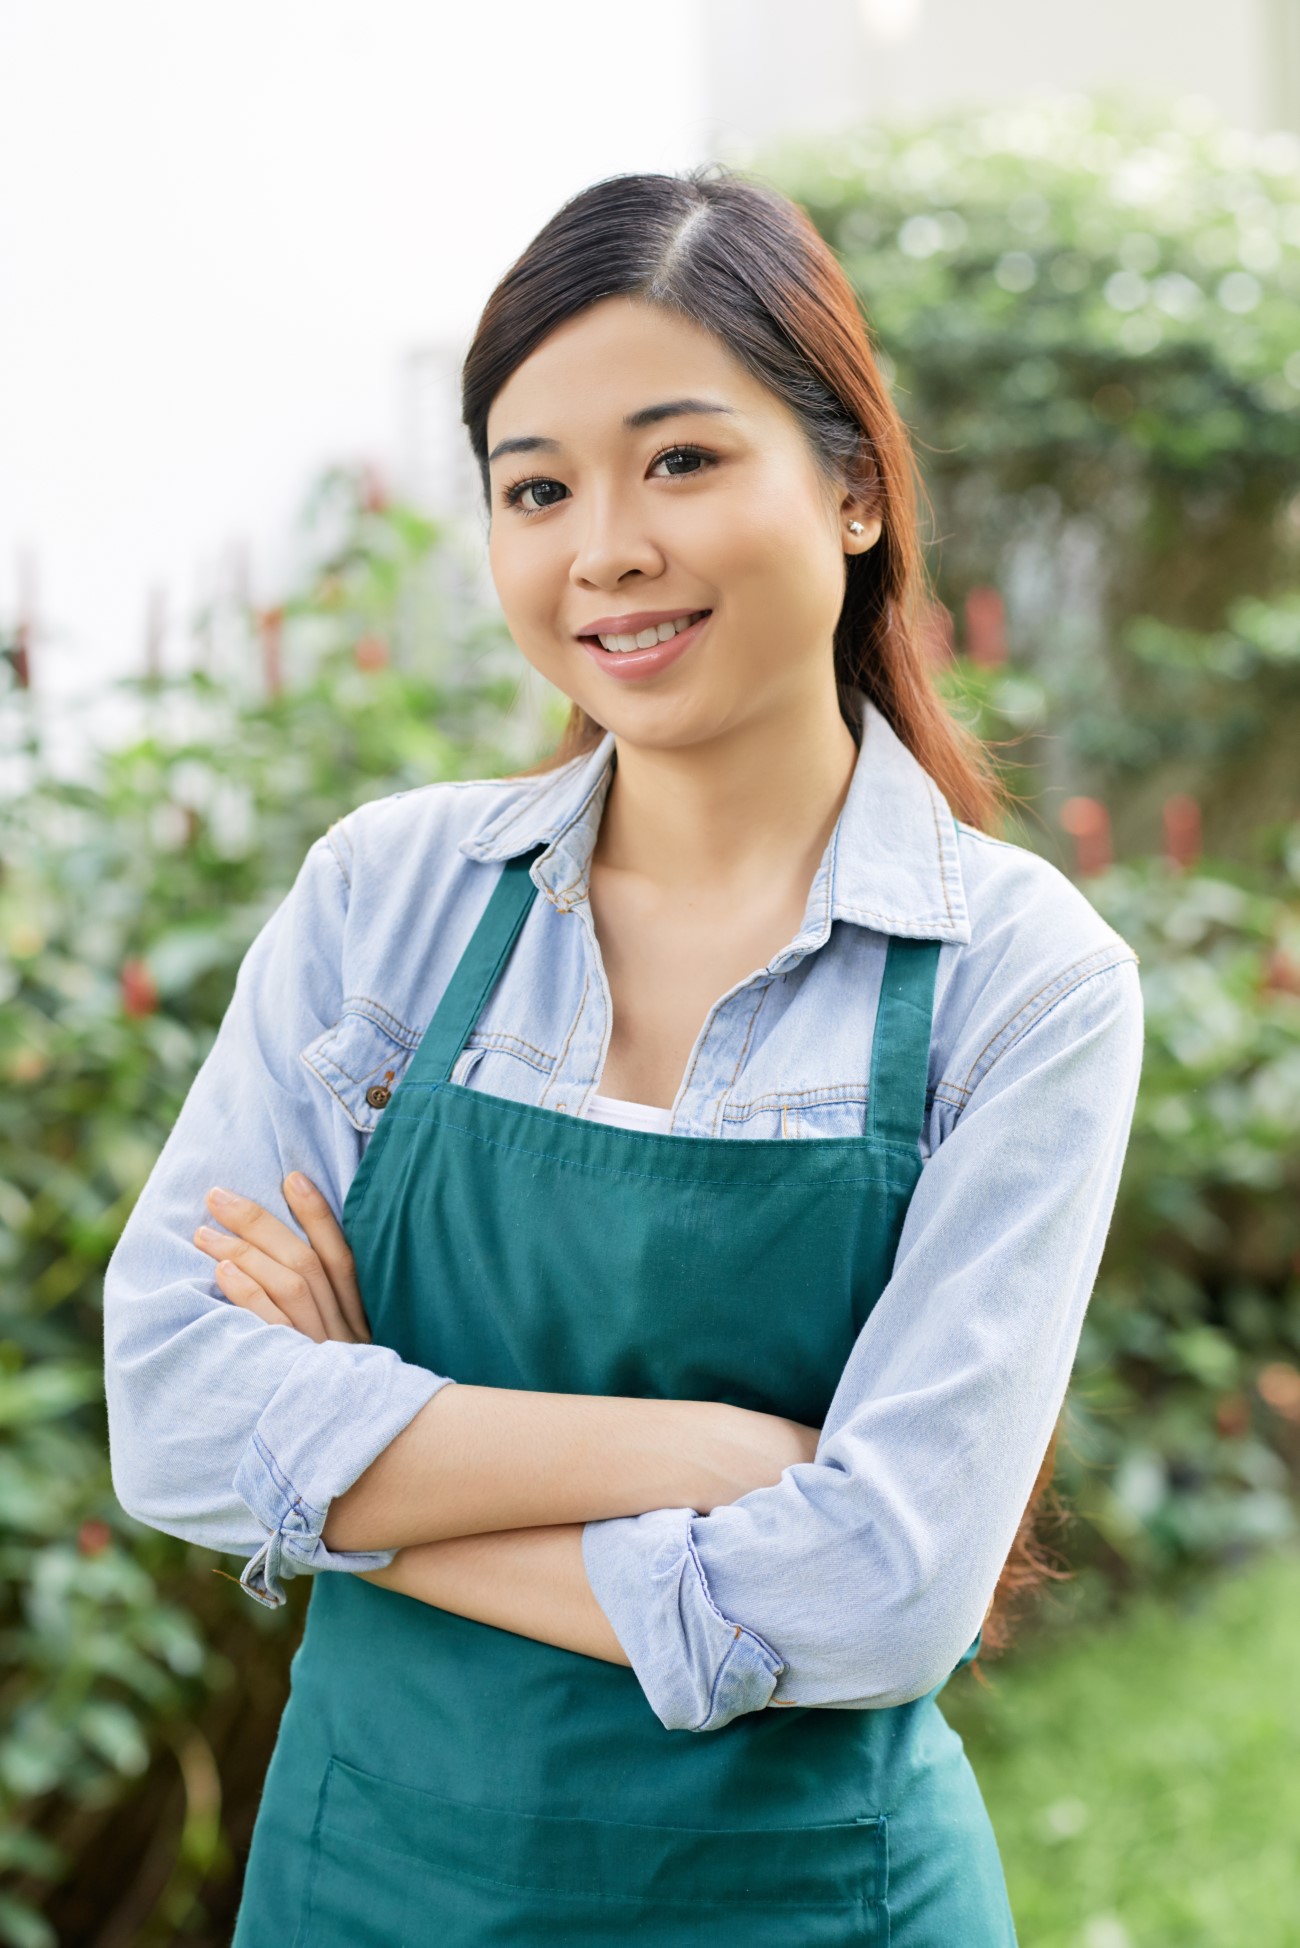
628 1115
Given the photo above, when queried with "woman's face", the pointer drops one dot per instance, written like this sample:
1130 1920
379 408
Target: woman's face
610 526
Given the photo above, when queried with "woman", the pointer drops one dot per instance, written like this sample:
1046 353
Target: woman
725 1216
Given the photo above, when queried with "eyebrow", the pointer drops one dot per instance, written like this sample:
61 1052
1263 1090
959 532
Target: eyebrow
647 416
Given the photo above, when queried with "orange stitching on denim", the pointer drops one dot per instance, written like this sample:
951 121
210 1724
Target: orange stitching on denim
892 922
340 1100
492 1037
338 856
812 1097
393 1023
684 1089
1044 990
568 1040
564 892
749 1036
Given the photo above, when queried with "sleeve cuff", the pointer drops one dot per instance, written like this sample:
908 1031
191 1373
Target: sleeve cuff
325 1424
698 1669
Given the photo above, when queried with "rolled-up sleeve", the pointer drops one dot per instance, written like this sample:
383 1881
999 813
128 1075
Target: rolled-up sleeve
861 1578
226 1430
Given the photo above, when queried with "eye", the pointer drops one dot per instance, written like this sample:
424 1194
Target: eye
513 496
683 452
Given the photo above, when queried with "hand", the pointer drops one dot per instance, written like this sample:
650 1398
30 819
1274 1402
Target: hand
268 1269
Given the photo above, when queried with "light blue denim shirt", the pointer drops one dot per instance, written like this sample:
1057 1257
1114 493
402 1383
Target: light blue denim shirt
860 1578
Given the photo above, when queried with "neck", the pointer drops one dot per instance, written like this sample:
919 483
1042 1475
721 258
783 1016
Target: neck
743 812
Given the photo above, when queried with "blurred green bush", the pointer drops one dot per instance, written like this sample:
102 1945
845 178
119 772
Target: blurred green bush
1086 308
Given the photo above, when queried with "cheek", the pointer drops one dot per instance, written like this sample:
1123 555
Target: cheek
782 583
522 582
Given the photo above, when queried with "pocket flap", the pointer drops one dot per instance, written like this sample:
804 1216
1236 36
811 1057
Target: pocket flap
361 1059
397 1852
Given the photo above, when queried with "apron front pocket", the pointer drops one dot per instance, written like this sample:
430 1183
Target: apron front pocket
396 1867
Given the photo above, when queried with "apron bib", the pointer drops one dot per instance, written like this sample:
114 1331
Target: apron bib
437 1780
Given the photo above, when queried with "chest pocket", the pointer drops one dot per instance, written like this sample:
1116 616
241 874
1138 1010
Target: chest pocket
361 1059
836 1110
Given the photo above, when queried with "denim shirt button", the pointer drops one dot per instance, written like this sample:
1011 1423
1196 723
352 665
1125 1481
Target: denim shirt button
378 1096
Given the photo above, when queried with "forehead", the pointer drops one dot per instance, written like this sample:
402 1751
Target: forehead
620 355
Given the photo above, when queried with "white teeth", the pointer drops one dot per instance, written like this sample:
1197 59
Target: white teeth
647 638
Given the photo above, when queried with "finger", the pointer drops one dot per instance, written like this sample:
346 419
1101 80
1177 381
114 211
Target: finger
286 1259
312 1209
245 1292
288 1290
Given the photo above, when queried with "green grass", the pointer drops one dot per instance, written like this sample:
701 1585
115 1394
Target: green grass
1144 1779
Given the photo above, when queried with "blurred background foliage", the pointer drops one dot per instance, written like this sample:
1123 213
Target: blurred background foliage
1088 321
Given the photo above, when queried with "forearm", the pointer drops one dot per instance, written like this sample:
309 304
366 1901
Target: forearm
530 1581
479 1459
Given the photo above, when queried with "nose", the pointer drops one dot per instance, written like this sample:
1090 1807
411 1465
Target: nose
612 543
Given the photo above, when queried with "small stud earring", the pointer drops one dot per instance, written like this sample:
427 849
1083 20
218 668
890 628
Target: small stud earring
855 527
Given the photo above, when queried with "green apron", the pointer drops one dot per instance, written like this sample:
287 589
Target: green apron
438 1780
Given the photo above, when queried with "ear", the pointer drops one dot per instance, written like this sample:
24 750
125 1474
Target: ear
856 507
861 502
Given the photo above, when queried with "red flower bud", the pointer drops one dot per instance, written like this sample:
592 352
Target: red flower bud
1088 823
271 630
1182 822
138 988
986 627
1279 1388
93 1538
371 653
1281 973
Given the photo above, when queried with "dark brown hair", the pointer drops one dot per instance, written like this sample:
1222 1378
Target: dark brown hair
741 260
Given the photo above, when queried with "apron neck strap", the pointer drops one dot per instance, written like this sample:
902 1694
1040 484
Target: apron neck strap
477 970
900 1042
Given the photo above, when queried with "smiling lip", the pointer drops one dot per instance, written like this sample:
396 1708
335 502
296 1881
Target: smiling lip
629 625
629 664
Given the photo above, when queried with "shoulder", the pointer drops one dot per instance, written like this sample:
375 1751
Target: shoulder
411 873
1024 911
1038 947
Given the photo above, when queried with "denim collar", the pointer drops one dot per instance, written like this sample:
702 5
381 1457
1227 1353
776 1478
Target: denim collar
890 864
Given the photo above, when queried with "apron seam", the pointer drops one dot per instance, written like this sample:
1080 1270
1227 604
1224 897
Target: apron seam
667 1177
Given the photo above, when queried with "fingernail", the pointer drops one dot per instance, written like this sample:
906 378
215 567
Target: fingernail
208 1236
298 1183
222 1197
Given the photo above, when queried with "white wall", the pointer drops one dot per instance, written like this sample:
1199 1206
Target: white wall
774 65
222 231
